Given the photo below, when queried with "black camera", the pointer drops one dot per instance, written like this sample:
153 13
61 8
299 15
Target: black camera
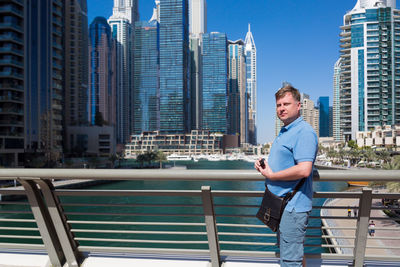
262 164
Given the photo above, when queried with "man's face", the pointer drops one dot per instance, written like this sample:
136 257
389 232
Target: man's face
287 109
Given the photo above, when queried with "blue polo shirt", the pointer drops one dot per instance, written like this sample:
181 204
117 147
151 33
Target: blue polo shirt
296 142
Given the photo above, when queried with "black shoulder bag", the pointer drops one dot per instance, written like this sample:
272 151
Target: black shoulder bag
272 207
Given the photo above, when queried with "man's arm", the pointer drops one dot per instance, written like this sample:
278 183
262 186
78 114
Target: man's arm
301 170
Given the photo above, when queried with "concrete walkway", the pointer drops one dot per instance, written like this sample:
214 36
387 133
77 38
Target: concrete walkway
376 240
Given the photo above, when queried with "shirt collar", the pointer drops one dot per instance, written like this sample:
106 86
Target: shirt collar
292 124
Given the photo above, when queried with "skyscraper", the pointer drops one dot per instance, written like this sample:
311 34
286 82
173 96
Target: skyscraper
197 17
337 135
12 83
125 13
195 81
102 87
370 71
251 76
214 98
44 84
174 67
309 113
323 108
146 80
75 34
237 95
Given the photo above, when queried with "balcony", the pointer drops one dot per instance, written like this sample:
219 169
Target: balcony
153 225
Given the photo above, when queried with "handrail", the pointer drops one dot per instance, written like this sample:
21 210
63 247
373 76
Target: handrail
67 230
190 175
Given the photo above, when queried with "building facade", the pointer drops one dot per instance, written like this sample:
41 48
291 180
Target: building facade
146 95
125 14
44 78
175 112
323 108
214 76
102 85
196 143
336 129
197 17
195 81
251 76
12 82
370 70
238 98
309 113
76 59
380 137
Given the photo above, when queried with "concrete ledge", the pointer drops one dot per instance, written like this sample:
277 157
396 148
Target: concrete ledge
24 259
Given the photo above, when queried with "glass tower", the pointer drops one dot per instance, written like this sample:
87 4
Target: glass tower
101 74
251 76
323 107
44 77
146 82
75 35
337 135
370 67
237 94
174 67
215 66
11 83
122 21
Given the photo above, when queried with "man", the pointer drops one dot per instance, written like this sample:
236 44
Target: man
291 158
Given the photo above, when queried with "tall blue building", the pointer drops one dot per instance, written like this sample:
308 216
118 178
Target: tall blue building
44 77
214 95
146 94
370 69
323 106
102 86
174 67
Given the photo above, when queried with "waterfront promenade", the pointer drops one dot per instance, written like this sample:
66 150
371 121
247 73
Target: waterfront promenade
385 229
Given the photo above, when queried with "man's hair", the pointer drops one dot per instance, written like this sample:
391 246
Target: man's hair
288 89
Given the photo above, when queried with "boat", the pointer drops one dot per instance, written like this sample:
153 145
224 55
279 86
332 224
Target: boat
176 157
357 183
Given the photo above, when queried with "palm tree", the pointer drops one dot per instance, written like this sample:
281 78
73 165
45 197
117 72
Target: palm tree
160 157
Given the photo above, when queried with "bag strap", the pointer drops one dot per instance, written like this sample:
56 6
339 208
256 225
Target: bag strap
290 195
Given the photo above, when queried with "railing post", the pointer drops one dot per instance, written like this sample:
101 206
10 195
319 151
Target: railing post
44 223
211 226
362 227
60 223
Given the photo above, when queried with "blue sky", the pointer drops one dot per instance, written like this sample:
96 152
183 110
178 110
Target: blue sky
297 41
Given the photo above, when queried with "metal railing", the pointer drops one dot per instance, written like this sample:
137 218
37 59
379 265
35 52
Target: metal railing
69 223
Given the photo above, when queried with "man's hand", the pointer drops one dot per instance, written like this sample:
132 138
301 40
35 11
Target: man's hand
301 170
266 171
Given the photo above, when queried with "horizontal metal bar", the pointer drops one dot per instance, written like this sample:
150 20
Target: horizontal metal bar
140 241
13 203
137 223
128 205
21 236
244 234
247 243
132 214
188 175
177 193
383 247
19 228
92 249
12 191
22 246
18 220
103 231
15 212
242 225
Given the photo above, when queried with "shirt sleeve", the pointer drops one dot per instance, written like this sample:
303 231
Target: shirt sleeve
306 146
